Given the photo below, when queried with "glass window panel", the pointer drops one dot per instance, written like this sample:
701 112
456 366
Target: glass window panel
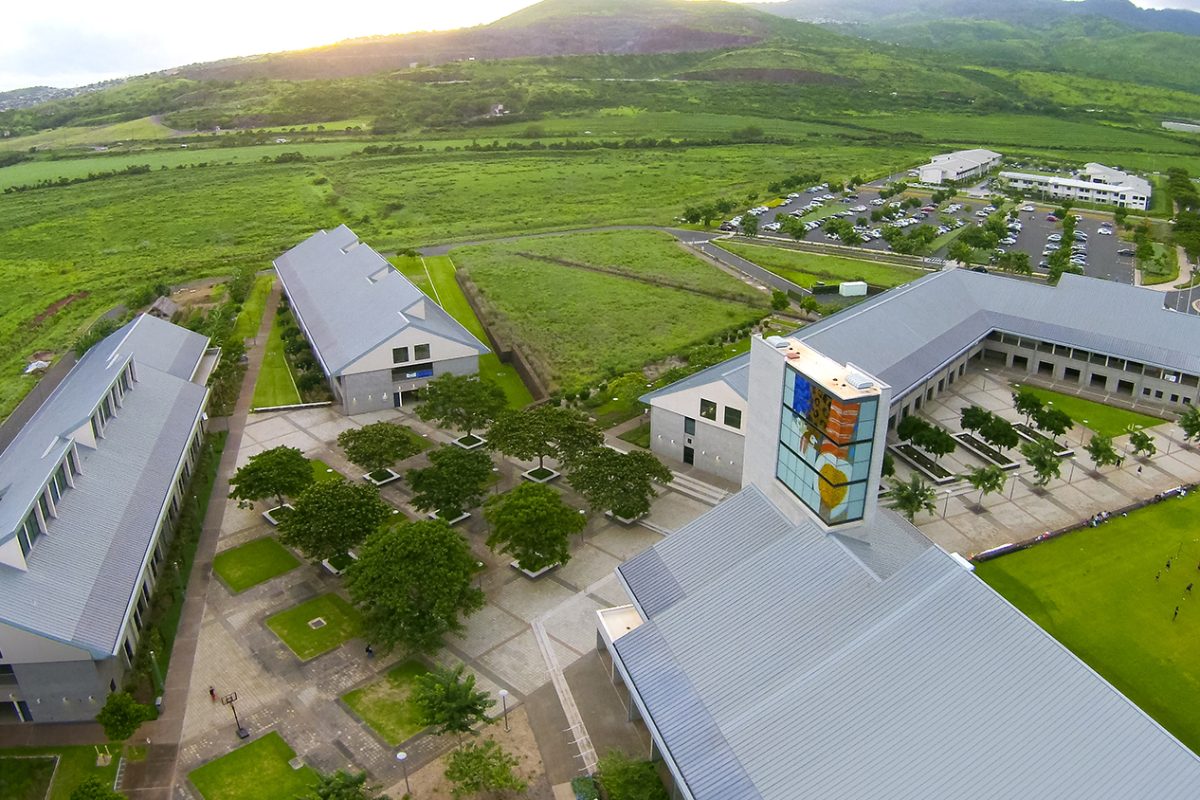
708 409
421 352
733 417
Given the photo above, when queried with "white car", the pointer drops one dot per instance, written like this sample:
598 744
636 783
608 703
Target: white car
827 197
1105 231
1028 209
772 226
1054 237
1008 241
878 201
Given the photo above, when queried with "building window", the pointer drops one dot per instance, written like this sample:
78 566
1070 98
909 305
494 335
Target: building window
708 409
399 355
733 417
689 426
412 371
421 352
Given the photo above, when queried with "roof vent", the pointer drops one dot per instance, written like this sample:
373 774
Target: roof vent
859 381
778 342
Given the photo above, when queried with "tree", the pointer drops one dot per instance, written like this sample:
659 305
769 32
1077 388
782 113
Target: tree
1026 403
911 428
1142 443
1042 457
961 252
622 483
279 472
1189 421
482 767
913 497
936 441
462 402
1053 421
533 525
999 433
889 466
377 446
412 582
626 779
332 517
974 418
750 225
779 300
447 700
1101 450
122 715
454 481
988 480
95 789
547 430
343 786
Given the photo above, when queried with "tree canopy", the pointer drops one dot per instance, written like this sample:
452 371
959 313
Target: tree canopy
279 472
533 525
378 446
988 480
122 715
455 480
1100 449
332 517
413 582
623 778
999 433
461 402
1142 443
343 786
913 497
545 430
479 767
1053 421
448 701
1044 460
973 418
1026 403
622 483
1189 421
94 788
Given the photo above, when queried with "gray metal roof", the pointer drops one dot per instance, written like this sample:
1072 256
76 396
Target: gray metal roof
815 666
350 300
82 573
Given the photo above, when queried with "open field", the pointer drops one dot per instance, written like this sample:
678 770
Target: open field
385 706
250 564
1096 591
145 128
75 765
341 623
275 385
1104 420
628 322
807 269
255 771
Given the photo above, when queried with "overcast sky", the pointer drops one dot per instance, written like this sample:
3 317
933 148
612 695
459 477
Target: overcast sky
71 43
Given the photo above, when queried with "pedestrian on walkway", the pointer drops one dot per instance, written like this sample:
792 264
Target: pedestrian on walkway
1176 613
370 651
212 694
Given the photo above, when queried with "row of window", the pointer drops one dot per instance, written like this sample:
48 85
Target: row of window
1099 359
420 352
61 482
708 410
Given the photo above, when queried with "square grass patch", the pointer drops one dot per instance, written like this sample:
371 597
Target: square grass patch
1104 420
257 771
323 473
1106 594
639 436
26 778
252 563
385 704
317 626
75 765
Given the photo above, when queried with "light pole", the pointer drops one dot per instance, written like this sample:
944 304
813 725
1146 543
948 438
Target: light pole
1082 430
1013 487
946 507
504 704
158 681
1072 473
402 757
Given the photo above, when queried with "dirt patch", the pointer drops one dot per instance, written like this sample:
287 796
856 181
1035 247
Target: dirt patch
767 75
58 306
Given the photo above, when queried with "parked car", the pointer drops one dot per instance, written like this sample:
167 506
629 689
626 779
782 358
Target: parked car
1028 209
1051 218
1105 231
1054 237
1125 252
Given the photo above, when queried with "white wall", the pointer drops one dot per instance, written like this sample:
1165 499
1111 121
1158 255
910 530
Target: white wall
440 349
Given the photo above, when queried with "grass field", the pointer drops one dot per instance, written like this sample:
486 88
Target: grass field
256 771
252 563
323 472
639 436
275 385
385 705
75 765
246 326
580 325
1104 420
413 268
25 778
292 626
807 269
1095 591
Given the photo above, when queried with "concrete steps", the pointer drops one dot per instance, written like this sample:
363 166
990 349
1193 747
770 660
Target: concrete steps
697 489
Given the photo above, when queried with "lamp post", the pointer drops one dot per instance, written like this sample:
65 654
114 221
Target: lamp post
504 704
946 507
1013 487
1082 430
158 681
1072 473
402 757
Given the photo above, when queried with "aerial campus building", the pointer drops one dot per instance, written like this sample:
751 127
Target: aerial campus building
920 338
798 641
377 337
961 165
90 488
1096 184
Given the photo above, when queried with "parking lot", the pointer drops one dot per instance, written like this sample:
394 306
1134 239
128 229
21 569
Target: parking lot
1102 259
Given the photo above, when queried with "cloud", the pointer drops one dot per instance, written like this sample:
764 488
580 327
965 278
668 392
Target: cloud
62 55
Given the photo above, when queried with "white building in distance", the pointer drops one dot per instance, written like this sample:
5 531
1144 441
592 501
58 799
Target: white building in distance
960 165
1096 184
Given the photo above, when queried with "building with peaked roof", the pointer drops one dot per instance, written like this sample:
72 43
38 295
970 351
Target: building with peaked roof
960 165
798 641
1096 184
377 337
921 337
89 490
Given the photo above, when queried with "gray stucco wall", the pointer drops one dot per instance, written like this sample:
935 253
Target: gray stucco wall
373 391
66 691
718 449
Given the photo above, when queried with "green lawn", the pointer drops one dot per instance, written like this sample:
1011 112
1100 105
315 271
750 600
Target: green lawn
342 623
807 269
75 765
613 316
250 564
1104 420
275 385
25 778
322 472
413 268
639 436
1163 268
385 706
1095 591
256 771
246 326
449 295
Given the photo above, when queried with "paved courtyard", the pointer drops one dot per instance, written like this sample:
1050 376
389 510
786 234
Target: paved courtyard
527 632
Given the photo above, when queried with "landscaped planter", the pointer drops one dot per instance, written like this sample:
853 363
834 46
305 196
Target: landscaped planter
1036 436
273 515
923 464
382 477
532 575
470 442
623 520
455 521
337 565
540 474
985 451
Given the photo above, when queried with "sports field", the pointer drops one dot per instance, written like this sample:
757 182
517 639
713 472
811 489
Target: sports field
1108 595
